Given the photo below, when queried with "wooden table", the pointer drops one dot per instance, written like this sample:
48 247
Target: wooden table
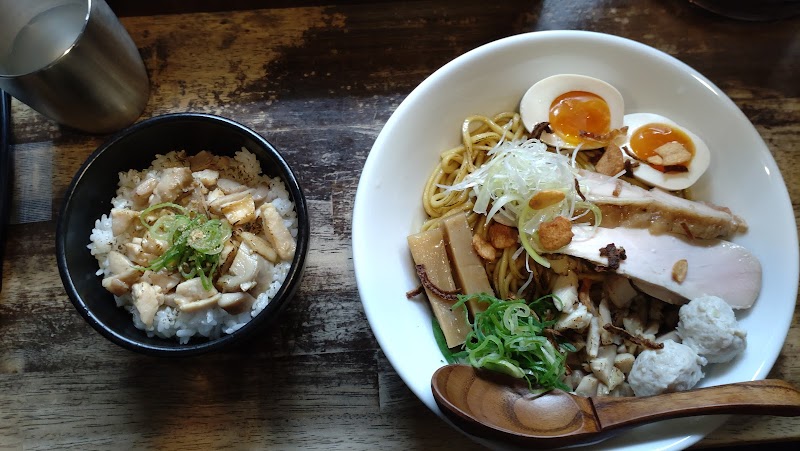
318 80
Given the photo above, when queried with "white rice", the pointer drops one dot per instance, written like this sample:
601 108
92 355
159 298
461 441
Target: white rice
212 323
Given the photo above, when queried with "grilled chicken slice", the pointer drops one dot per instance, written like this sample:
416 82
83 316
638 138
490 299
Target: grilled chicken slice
627 205
715 267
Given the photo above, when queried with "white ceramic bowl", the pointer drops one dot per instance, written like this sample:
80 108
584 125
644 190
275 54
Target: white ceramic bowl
492 79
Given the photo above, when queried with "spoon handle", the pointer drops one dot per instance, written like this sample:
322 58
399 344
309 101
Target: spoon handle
762 397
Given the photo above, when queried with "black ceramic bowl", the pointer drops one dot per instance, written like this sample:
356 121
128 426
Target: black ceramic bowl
89 196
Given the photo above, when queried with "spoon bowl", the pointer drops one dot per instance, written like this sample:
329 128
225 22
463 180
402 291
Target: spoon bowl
493 405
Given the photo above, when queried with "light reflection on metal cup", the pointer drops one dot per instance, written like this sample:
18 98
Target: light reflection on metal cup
73 61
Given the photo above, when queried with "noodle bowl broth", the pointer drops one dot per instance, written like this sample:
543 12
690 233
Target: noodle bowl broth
493 78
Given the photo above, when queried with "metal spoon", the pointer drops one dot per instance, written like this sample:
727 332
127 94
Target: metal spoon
489 404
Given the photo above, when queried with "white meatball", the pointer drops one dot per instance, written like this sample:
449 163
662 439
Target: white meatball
675 367
708 325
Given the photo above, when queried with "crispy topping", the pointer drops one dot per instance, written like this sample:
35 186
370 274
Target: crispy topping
545 198
679 270
483 248
612 162
673 153
641 341
615 255
555 234
502 236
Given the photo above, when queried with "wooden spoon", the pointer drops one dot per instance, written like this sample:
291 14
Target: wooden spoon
490 404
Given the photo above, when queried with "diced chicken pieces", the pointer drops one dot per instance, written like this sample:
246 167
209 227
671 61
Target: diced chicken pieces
565 291
277 232
624 362
202 304
154 246
141 194
593 338
260 245
576 319
145 299
193 290
208 177
171 184
619 290
217 199
264 276
236 303
122 220
588 386
201 161
166 280
241 211
241 275
229 186
136 254
603 367
122 274
260 194
191 296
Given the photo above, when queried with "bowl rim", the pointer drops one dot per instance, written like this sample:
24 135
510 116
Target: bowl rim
171 347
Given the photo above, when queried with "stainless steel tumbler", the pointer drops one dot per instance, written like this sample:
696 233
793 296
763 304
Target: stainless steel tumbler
72 61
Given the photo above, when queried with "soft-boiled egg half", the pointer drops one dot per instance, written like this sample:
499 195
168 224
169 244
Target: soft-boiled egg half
576 106
670 156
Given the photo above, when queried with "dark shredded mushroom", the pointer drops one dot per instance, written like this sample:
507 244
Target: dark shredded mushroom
641 341
540 128
427 284
614 254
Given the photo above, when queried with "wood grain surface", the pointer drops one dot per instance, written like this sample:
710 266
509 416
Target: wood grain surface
318 80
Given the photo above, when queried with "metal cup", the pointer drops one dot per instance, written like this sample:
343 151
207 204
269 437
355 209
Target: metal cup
72 61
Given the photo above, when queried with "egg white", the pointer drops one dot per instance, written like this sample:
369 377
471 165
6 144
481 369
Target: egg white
535 104
674 180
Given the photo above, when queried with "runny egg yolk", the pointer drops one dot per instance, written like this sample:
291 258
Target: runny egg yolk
647 138
579 111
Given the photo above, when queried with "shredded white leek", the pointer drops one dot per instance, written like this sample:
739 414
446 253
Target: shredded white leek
514 173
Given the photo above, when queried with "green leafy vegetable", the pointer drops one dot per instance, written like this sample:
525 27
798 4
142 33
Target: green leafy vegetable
509 337
195 241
